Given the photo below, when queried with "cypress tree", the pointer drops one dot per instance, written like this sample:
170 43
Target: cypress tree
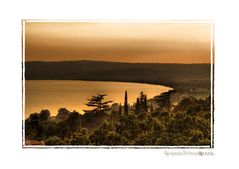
137 106
126 108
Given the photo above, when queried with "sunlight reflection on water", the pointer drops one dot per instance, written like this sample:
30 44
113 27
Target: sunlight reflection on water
55 94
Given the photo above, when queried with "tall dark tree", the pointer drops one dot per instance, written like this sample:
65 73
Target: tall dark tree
98 103
141 103
137 106
126 106
144 104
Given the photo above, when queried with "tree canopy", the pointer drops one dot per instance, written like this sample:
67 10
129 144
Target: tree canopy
98 104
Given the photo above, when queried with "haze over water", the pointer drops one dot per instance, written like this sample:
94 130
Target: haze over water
70 94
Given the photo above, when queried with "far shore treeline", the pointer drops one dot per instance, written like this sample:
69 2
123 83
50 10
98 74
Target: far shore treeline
170 75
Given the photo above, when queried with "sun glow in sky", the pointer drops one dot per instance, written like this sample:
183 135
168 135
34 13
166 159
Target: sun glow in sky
142 42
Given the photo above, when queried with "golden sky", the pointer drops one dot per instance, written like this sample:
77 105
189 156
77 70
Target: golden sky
142 42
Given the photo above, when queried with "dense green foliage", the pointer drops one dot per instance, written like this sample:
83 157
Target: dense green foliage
186 123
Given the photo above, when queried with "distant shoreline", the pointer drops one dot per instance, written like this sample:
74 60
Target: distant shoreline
147 83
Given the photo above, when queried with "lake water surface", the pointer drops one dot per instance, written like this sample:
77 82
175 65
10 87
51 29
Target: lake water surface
73 94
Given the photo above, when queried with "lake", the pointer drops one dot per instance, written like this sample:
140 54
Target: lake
73 94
